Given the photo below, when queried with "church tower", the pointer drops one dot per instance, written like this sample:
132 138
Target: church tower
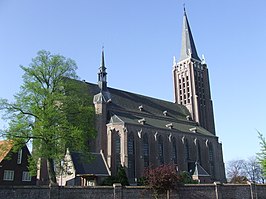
101 101
191 81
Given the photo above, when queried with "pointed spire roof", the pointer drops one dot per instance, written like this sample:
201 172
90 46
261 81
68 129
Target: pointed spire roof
199 171
102 67
102 74
188 48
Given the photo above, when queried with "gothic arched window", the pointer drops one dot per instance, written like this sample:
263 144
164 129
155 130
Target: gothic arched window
174 151
198 153
160 150
146 151
211 159
117 150
186 150
131 156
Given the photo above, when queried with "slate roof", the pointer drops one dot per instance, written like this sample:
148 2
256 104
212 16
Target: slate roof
95 167
157 122
124 107
188 47
199 171
5 148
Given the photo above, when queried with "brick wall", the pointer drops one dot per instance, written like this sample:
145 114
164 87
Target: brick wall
208 191
24 192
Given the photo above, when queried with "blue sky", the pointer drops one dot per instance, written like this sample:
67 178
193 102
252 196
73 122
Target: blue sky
140 39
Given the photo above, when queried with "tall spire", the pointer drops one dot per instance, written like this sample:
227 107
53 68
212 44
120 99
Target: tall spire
102 74
188 48
102 64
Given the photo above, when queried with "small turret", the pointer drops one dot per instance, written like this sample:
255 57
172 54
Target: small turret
102 75
103 96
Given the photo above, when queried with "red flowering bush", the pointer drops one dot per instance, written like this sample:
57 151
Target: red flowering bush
162 178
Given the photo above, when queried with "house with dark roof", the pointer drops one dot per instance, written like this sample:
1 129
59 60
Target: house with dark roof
79 171
14 165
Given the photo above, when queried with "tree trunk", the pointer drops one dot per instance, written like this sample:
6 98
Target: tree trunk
168 194
51 171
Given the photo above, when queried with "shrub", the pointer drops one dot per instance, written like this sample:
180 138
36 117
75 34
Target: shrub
162 178
121 177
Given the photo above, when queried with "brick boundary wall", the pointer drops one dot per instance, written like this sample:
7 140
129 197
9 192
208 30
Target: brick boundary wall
201 191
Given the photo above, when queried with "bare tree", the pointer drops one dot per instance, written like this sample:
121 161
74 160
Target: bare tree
249 169
235 169
253 170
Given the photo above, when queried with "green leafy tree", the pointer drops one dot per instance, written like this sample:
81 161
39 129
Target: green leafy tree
122 176
52 110
262 154
186 178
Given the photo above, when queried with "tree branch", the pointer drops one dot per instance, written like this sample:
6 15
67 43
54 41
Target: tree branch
23 112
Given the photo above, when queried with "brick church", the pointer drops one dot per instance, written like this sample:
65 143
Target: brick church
138 131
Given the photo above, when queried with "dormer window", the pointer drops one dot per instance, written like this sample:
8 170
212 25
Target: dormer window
142 121
170 126
188 118
194 130
165 113
141 108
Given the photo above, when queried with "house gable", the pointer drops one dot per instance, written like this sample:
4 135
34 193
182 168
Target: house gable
14 165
